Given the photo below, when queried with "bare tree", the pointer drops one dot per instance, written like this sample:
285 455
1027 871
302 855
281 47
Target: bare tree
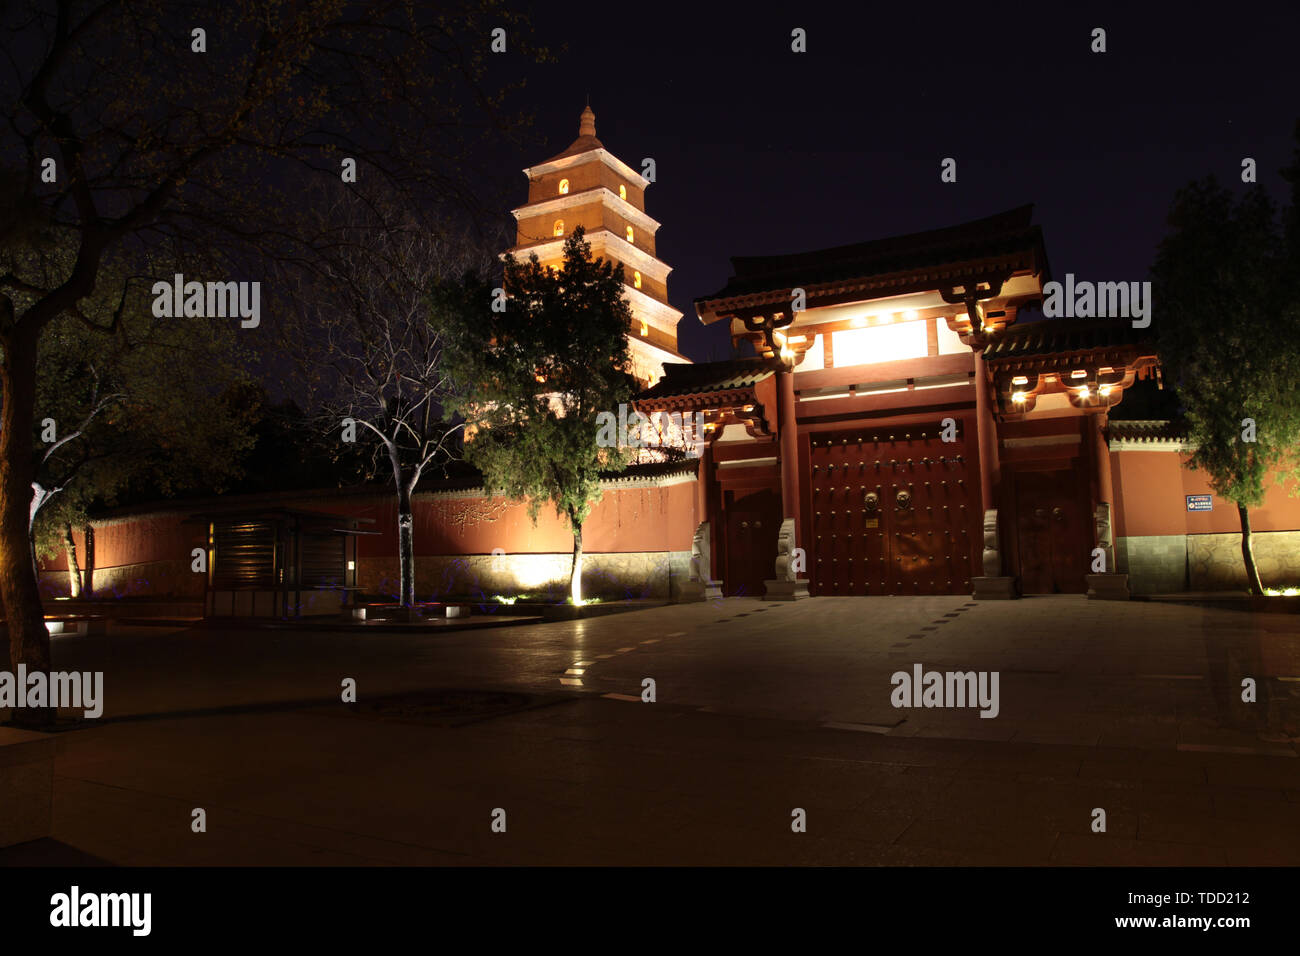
369 349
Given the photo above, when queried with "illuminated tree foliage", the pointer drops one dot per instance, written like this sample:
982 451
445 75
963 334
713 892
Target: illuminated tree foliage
540 372
1224 284
152 410
151 406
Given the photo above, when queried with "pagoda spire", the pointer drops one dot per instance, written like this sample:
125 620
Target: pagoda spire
587 123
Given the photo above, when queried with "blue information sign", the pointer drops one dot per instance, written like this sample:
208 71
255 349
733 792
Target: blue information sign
1200 503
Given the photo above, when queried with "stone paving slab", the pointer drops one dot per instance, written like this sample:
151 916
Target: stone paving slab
1133 708
669 787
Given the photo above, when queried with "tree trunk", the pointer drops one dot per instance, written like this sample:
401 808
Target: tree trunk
575 573
405 543
34 506
31 552
29 641
1248 553
74 572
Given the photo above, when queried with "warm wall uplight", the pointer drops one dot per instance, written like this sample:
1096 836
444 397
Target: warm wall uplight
1018 397
564 187
622 193
636 279
629 233
1079 373
1020 380
860 322
559 227
1085 392
1104 391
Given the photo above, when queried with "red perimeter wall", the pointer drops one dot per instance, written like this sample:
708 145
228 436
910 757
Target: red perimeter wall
1150 499
151 552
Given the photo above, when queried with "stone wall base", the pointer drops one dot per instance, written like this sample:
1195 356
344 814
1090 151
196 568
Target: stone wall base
612 576
153 578
1155 564
1214 561
1168 564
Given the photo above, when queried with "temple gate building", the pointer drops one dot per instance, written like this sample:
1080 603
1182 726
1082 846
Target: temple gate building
901 428
901 425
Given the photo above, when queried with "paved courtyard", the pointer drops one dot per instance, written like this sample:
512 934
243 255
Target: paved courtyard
761 709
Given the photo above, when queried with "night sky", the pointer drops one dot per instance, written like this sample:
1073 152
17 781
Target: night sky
763 151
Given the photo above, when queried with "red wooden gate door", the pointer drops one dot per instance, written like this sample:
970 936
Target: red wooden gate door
1053 536
753 523
893 512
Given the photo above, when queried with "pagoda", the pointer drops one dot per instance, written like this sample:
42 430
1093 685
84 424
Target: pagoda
588 186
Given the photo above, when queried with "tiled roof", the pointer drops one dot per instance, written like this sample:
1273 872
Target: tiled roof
1005 233
586 140
643 471
1146 432
702 377
649 473
582 144
1065 337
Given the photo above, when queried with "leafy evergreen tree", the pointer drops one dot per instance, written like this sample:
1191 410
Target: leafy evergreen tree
1229 333
539 374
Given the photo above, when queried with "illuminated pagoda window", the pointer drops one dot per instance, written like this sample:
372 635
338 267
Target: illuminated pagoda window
622 192
629 233
559 227
636 280
564 187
